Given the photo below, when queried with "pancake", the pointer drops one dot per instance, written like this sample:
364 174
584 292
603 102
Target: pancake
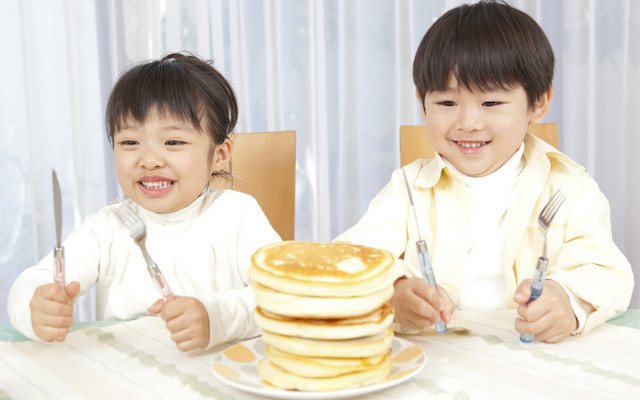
324 269
277 376
321 367
293 305
325 314
367 346
345 328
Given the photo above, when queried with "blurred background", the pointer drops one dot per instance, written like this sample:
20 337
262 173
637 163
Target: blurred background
338 72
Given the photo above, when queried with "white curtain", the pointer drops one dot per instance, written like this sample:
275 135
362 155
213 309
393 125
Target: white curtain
338 72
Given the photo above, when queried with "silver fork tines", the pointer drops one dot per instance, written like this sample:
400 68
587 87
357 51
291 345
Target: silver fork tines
547 214
138 232
136 227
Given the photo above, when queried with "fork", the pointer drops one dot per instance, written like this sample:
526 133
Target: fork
138 232
544 220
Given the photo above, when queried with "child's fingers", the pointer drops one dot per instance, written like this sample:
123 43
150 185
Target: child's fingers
553 337
413 304
50 292
544 329
72 289
414 321
176 308
49 327
50 334
156 308
523 292
450 306
192 344
430 294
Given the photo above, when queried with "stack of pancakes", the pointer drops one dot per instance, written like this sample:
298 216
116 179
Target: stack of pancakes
325 314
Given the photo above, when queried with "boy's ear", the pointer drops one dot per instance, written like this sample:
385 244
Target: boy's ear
222 155
422 112
541 107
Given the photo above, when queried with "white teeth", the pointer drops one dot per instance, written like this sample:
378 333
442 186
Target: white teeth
157 185
471 145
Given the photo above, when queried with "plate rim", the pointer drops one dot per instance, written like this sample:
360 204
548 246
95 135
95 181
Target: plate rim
275 392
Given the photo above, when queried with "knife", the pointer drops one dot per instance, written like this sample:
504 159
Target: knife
423 255
58 252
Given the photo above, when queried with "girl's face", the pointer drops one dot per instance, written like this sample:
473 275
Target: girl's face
164 164
477 132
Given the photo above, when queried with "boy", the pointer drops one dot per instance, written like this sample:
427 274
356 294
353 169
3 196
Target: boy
483 72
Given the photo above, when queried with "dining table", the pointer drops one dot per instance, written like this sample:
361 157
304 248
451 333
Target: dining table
480 357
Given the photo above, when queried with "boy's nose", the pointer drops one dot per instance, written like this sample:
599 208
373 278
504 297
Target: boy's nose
469 121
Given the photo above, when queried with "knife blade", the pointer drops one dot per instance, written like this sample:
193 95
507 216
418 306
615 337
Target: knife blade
423 254
58 252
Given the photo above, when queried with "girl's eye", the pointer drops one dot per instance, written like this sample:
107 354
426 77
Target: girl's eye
174 142
128 143
447 103
491 103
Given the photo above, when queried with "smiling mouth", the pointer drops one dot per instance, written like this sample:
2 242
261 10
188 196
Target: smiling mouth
471 145
158 185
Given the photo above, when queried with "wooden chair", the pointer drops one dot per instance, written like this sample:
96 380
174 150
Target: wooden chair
414 143
263 165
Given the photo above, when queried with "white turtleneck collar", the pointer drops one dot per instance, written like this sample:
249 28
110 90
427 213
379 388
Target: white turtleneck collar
173 220
509 170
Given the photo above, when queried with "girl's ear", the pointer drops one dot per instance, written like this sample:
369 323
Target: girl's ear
541 107
221 156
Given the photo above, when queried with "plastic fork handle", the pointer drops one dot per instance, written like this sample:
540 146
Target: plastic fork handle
161 283
537 285
428 276
58 266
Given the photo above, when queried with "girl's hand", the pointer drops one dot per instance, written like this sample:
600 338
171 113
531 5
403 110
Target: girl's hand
550 317
419 305
187 320
52 310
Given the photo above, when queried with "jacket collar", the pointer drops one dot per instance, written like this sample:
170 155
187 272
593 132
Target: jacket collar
538 156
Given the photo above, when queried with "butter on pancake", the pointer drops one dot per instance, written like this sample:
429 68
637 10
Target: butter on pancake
367 346
324 269
281 378
329 329
294 305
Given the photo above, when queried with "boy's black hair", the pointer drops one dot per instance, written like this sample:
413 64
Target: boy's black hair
178 85
486 45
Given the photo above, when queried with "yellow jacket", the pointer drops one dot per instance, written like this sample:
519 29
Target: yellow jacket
582 254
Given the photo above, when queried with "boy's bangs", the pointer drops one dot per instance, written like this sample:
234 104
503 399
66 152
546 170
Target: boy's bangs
487 46
478 60
163 86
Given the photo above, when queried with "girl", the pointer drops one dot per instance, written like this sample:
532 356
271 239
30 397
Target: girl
168 122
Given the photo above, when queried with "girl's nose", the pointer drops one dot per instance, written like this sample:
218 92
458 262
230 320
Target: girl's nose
151 159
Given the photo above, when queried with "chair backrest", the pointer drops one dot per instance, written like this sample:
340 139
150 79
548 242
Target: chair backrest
263 165
414 143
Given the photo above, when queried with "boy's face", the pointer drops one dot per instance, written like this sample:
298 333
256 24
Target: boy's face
477 131
164 164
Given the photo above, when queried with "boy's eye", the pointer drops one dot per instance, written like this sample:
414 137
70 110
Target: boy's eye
174 142
447 103
491 103
128 143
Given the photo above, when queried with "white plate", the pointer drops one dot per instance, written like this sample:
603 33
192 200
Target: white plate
237 367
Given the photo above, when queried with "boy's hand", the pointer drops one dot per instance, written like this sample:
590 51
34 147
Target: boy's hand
419 305
187 320
550 317
52 310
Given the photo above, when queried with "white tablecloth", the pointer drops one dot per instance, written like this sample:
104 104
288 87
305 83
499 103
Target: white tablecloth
137 359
